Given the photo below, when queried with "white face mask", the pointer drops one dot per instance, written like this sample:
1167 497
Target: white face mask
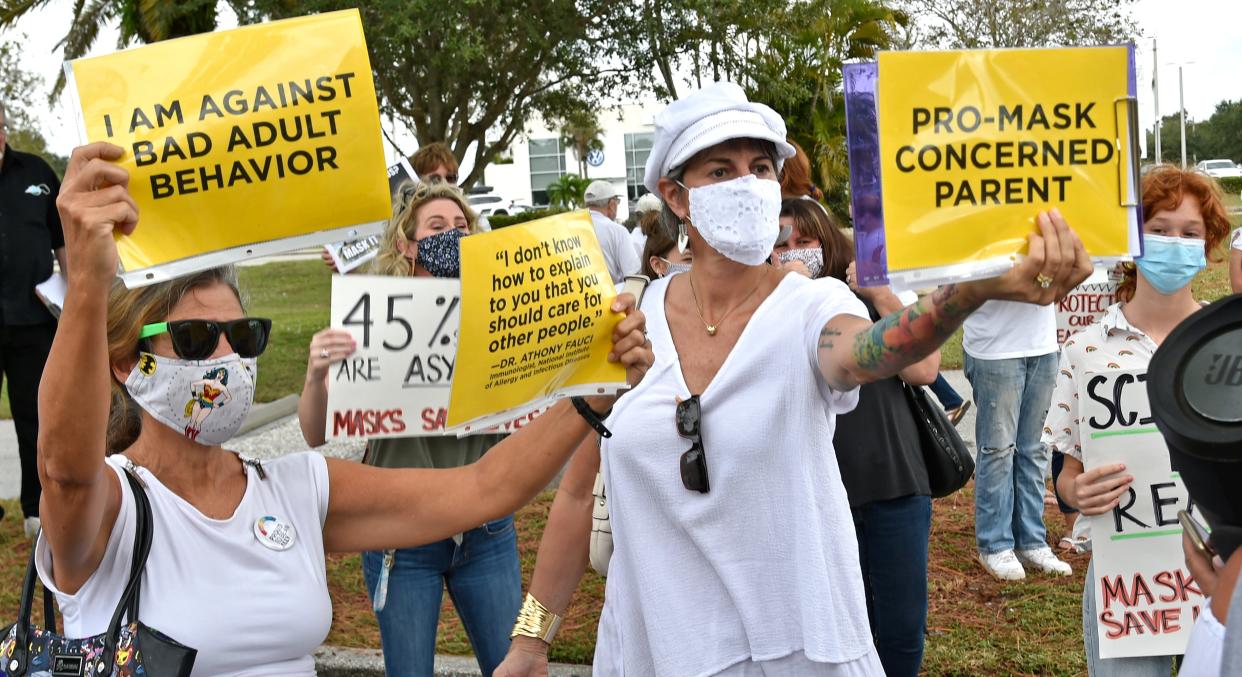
813 258
739 218
206 400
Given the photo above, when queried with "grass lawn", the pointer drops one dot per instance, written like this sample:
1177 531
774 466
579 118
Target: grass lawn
976 625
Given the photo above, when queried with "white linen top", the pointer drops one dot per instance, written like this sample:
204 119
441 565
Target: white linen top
765 565
618 248
210 584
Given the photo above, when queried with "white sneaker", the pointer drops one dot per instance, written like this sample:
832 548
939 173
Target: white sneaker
32 527
1002 565
1044 559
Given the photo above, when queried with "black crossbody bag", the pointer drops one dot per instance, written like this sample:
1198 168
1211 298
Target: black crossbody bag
948 461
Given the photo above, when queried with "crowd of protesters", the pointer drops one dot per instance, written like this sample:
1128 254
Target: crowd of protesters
765 487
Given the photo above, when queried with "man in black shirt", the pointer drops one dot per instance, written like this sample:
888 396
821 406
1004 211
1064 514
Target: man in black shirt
29 235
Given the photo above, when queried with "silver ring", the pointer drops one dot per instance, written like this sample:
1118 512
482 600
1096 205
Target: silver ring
324 353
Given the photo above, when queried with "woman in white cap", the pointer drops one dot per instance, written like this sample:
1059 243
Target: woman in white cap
735 553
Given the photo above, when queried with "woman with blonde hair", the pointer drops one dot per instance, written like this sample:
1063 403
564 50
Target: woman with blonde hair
236 566
479 566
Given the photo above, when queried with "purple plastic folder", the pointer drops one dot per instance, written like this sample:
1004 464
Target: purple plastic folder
863 140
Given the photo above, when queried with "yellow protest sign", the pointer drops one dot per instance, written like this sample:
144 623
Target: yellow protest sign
974 144
536 320
242 142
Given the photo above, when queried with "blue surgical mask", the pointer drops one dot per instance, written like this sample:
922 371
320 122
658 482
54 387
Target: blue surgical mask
1170 263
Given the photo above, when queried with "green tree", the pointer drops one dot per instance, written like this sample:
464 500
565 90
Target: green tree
140 21
1221 134
18 89
568 192
974 24
798 73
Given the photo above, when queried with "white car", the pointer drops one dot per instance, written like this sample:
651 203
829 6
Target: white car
1220 169
490 204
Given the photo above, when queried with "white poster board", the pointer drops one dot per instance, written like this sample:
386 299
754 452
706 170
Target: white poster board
397 383
1085 304
1146 599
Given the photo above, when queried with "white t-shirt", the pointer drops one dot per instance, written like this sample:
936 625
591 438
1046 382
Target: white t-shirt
640 243
210 584
1205 649
765 565
1236 242
1002 330
619 252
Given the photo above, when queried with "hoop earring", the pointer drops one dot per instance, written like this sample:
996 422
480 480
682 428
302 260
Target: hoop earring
683 238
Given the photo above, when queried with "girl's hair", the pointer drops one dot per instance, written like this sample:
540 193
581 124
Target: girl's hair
796 176
410 198
658 242
812 218
669 219
128 311
1163 189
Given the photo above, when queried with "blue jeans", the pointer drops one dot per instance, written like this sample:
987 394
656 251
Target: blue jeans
1012 398
484 580
949 398
1141 666
892 548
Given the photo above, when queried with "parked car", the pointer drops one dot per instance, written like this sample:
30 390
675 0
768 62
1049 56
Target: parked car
1220 169
491 204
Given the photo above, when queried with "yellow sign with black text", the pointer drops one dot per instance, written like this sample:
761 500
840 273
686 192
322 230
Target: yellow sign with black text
242 142
974 144
536 320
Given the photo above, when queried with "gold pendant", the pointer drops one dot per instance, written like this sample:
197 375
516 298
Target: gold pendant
711 330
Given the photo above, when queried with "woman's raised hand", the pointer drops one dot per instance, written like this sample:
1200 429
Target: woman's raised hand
94 203
630 346
326 347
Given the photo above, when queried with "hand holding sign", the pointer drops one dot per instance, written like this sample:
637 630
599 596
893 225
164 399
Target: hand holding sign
95 207
1098 490
1056 263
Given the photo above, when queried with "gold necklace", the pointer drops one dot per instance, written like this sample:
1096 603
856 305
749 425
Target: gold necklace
711 328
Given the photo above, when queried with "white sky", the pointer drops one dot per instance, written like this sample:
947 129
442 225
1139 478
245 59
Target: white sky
1206 32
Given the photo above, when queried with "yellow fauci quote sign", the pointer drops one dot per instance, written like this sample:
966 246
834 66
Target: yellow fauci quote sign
259 134
536 320
974 144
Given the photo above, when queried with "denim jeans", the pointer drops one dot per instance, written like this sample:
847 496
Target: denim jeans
1012 397
949 398
892 548
483 579
1143 666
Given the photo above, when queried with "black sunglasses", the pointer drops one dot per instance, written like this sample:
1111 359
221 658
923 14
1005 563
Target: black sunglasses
694 461
197 339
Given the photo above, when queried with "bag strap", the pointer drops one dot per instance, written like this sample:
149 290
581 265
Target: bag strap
127 606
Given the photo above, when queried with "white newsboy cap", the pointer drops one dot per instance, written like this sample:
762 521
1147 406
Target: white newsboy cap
599 191
714 114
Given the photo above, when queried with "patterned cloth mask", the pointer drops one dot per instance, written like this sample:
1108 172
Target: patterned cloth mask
671 268
739 218
207 400
812 257
440 254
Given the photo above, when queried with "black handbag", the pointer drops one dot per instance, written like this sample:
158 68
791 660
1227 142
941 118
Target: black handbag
129 650
948 461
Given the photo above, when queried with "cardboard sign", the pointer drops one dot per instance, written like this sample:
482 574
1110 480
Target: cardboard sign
1085 304
240 143
972 145
1146 599
536 320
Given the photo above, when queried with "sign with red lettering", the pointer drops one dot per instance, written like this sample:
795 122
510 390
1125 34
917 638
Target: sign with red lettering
397 383
1145 598
1085 304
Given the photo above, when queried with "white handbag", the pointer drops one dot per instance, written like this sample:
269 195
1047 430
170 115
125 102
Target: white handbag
601 529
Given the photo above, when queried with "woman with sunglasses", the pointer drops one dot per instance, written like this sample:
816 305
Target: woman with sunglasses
236 570
479 567
734 549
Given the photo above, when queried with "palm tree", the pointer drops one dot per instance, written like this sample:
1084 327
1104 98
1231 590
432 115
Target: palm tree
140 21
580 130
568 192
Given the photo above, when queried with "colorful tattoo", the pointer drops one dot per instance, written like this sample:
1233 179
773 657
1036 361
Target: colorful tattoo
910 334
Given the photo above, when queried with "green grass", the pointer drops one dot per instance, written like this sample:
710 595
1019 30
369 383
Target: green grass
296 295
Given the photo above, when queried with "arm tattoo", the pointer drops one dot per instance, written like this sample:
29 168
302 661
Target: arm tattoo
910 334
825 338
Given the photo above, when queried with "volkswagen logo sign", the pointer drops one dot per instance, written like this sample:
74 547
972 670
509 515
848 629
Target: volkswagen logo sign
595 157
